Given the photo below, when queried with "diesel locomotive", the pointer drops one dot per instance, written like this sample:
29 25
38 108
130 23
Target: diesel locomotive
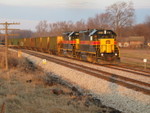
92 45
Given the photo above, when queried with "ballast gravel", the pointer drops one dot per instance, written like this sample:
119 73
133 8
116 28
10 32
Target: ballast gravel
110 70
110 94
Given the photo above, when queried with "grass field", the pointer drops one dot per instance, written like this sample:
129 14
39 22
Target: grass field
136 53
135 56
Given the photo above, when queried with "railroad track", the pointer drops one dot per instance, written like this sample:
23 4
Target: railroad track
129 69
133 84
121 67
125 68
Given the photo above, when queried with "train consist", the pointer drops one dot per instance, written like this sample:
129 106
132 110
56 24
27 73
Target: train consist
92 45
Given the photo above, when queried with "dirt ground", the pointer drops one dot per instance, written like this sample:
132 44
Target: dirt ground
24 88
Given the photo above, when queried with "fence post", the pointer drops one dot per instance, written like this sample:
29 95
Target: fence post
145 63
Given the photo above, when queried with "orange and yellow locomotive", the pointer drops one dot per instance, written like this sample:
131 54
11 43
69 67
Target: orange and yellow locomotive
91 45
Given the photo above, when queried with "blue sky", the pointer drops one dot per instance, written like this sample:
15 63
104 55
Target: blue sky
30 12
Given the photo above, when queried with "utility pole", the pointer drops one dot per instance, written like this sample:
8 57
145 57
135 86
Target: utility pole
6 24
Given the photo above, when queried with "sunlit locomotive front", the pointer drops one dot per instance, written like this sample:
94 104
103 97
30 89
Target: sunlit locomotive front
105 44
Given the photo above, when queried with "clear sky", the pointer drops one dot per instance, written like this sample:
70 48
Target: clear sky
30 12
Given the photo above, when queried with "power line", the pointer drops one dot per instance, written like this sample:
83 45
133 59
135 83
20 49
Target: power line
6 24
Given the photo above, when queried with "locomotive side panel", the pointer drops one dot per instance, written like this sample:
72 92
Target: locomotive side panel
85 42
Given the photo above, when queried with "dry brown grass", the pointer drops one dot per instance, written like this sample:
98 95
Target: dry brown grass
15 62
36 96
2 58
135 56
136 53
25 88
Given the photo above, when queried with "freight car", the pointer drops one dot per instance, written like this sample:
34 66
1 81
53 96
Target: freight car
43 44
91 45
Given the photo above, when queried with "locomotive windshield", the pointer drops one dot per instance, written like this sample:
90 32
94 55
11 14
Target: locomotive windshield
74 35
106 34
70 35
100 34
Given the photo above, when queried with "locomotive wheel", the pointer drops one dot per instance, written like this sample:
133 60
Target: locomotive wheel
69 54
78 56
89 58
50 52
94 59
61 53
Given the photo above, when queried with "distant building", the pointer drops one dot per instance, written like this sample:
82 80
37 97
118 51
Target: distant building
131 42
148 44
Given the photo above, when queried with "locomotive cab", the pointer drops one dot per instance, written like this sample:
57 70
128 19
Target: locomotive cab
107 48
71 43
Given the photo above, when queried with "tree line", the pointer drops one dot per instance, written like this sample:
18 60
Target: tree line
119 17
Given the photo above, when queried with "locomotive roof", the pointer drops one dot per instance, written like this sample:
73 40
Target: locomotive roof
66 33
73 34
91 32
98 31
101 32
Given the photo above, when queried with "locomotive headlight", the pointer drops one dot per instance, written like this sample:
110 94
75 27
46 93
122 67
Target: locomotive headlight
69 38
116 54
107 41
91 38
102 54
105 31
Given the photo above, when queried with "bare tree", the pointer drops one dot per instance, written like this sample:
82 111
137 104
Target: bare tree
66 26
91 24
58 28
148 18
102 21
22 33
80 25
143 29
42 28
147 21
121 15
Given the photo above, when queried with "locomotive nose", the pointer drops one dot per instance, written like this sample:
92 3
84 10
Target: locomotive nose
107 41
